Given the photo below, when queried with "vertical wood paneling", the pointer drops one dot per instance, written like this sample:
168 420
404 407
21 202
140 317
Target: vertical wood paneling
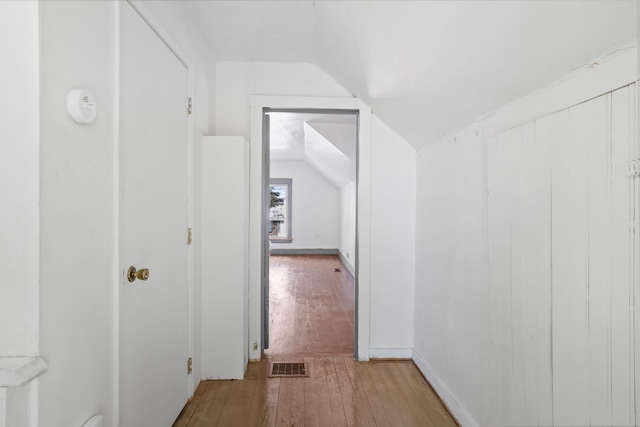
518 247
596 143
530 289
622 406
498 180
469 351
635 197
536 265
562 258
563 267
569 267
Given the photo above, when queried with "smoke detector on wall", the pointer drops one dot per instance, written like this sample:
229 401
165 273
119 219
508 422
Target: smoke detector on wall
82 106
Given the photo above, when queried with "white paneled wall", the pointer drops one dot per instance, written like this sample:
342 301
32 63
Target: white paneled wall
561 269
561 281
519 219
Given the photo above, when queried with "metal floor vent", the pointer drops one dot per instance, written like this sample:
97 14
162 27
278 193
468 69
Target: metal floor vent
288 370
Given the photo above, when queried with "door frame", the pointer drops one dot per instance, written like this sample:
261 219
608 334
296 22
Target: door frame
145 12
363 215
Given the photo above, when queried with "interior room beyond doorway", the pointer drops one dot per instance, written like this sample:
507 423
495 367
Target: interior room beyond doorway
311 304
311 224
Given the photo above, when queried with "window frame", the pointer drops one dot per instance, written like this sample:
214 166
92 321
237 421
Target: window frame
288 204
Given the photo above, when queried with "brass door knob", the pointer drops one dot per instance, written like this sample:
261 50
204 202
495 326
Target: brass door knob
133 274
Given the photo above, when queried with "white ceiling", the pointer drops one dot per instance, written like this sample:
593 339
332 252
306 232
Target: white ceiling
326 142
327 159
425 67
287 133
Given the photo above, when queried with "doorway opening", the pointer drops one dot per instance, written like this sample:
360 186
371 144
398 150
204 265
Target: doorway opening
309 291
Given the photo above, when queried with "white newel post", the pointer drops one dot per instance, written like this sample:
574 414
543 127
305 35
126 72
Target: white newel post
18 390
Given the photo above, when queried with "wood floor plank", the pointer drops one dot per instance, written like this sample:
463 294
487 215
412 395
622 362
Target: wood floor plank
388 393
354 399
312 306
297 401
430 400
200 415
376 401
336 409
234 411
322 392
271 402
284 402
258 409
216 402
191 409
412 411
416 411
339 391
311 397
256 370
346 392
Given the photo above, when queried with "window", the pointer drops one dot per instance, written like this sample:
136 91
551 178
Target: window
280 210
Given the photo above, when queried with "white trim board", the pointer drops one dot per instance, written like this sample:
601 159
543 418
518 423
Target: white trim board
392 353
347 263
441 389
302 251
616 69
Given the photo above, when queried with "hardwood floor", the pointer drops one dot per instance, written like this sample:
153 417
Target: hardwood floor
312 320
338 392
311 305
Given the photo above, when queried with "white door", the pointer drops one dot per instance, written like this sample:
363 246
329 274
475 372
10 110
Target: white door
154 314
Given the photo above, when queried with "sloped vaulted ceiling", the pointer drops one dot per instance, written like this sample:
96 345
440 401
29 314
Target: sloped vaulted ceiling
425 67
326 142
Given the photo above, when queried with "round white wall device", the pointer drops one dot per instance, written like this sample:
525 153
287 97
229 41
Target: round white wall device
81 106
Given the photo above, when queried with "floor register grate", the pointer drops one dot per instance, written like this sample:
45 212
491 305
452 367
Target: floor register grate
288 369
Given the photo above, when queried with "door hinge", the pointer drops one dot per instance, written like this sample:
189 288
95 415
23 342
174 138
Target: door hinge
189 106
189 236
189 365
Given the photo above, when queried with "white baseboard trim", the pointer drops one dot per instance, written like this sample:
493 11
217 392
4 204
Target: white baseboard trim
347 263
443 391
303 251
391 353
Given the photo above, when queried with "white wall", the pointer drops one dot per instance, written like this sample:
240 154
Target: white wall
236 81
451 293
524 291
19 178
393 210
391 292
78 281
315 209
79 189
